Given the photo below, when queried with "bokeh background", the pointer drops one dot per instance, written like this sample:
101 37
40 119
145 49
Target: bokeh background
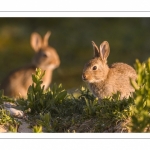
129 39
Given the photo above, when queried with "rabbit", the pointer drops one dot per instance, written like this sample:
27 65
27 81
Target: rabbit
104 81
46 58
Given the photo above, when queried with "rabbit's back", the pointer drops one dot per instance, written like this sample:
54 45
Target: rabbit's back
123 69
119 77
120 74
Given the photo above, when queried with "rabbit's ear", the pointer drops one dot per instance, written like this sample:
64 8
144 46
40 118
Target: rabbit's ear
104 50
36 41
96 50
46 37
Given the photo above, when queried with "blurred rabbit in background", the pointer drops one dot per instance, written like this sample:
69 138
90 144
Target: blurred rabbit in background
46 58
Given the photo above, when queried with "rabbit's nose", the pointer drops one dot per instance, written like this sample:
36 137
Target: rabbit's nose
84 77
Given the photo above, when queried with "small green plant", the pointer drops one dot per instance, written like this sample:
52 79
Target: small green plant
41 101
37 129
90 101
5 119
45 121
140 119
90 107
5 98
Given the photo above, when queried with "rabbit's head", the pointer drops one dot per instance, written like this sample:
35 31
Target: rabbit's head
46 56
96 69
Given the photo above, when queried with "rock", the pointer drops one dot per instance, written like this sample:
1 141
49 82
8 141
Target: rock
24 127
14 112
3 129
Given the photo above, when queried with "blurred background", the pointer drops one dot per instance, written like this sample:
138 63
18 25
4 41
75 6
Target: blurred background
129 39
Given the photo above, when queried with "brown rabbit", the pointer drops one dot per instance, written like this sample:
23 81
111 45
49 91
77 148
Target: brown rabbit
104 81
17 82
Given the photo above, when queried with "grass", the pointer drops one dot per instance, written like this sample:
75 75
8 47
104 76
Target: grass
57 110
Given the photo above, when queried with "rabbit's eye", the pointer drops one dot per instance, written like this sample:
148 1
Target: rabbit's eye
44 55
95 68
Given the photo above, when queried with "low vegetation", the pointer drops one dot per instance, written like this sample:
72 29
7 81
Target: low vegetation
57 110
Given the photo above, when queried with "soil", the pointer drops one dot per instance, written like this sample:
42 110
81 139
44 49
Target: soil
23 128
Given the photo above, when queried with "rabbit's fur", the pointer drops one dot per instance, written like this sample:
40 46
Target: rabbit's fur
46 58
104 81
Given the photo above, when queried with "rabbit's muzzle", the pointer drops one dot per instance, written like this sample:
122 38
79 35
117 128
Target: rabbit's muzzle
84 77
